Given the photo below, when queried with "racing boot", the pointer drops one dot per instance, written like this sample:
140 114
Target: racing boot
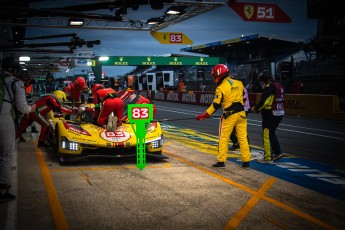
277 157
234 147
33 129
43 144
219 165
4 194
22 139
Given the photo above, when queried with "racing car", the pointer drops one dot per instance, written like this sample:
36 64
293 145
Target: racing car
78 138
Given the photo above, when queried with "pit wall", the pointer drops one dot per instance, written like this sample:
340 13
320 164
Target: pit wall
304 105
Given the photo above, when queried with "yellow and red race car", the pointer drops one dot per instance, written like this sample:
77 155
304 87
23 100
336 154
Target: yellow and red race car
78 138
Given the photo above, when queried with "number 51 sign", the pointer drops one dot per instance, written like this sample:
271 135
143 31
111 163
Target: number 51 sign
259 12
140 115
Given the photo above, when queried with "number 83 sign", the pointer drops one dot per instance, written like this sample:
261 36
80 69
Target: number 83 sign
140 112
175 38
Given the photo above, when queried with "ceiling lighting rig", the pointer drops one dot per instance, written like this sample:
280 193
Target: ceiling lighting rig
79 15
182 10
75 42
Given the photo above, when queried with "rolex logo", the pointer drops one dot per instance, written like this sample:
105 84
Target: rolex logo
148 59
175 58
121 58
201 59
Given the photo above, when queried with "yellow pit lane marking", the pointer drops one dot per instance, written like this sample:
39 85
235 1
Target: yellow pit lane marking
245 210
257 195
86 178
125 167
55 205
205 148
210 149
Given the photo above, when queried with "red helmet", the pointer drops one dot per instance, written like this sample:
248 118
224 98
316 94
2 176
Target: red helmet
80 82
219 71
96 87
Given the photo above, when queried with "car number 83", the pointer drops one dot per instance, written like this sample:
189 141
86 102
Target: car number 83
140 113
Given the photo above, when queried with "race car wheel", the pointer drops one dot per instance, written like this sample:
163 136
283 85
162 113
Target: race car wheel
56 141
61 160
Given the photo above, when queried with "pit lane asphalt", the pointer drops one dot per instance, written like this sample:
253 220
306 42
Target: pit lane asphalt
182 192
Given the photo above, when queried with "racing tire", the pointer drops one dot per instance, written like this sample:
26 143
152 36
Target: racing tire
56 141
56 145
61 159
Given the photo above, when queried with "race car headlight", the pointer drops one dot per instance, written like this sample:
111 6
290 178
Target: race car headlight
69 145
157 143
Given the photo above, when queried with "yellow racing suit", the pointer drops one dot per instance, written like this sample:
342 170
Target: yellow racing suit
229 96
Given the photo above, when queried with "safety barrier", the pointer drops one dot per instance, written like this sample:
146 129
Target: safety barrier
304 105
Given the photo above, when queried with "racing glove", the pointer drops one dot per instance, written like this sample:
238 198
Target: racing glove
75 110
202 116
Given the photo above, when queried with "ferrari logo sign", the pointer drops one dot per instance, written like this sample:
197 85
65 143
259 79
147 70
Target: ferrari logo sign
249 11
259 12
171 38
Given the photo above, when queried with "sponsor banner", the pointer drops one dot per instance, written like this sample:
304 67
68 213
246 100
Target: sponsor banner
166 61
306 105
83 57
189 97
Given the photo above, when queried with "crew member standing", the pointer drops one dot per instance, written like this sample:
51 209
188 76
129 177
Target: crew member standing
49 85
75 89
271 106
28 92
229 96
13 94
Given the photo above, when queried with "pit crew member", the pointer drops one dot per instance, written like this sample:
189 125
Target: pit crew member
229 97
45 104
106 102
75 89
271 106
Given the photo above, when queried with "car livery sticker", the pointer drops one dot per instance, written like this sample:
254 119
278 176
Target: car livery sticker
117 136
78 131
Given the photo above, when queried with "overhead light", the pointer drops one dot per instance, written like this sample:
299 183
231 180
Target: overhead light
76 22
154 21
103 58
24 58
175 10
